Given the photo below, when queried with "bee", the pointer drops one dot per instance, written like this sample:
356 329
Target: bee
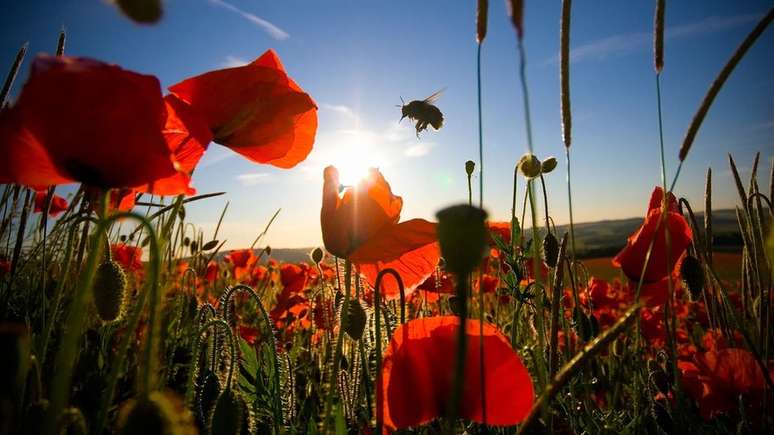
423 112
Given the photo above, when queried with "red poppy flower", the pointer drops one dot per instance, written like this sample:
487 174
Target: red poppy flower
249 334
438 282
211 272
129 257
418 369
82 120
293 277
241 261
632 258
502 229
715 379
256 110
58 204
362 226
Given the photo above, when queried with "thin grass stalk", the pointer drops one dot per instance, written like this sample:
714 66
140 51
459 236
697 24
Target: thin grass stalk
574 365
480 130
59 290
66 356
553 359
718 83
12 73
708 216
539 310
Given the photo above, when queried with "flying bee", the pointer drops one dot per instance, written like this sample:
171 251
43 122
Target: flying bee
423 112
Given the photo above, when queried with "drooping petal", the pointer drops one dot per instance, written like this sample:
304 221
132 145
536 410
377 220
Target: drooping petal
416 378
256 110
414 267
187 136
57 206
82 120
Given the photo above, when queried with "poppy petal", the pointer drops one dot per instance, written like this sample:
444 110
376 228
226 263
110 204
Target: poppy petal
418 366
187 136
256 110
414 267
67 126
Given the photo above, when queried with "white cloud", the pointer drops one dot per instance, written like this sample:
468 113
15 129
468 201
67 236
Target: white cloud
268 27
340 109
627 42
233 61
253 178
418 150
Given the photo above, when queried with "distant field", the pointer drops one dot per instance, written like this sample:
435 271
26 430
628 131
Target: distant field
727 264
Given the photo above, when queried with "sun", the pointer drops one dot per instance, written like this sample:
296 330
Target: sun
354 153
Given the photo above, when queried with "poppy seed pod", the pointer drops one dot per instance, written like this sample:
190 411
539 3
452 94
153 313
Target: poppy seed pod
207 393
316 255
462 235
228 416
160 413
548 165
108 290
692 275
530 166
470 166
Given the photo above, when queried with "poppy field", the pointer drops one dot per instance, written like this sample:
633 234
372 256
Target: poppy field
118 314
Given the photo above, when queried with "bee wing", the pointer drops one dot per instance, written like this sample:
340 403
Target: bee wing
435 96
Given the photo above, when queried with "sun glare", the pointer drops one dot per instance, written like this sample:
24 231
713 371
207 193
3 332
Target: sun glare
354 153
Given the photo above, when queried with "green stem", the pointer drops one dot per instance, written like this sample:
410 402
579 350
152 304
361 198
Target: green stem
480 132
154 267
462 347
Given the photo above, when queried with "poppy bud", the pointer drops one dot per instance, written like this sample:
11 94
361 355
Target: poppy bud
141 11
317 255
455 305
470 166
548 165
268 251
194 247
582 324
122 238
206 394
229 415
210 245
160 413
108 290
186 241
72 422
660 380
550 250
529 165
34 417
462 236
660 414
356 319
693 276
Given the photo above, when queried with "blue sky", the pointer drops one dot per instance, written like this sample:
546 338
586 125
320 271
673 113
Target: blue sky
357 58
